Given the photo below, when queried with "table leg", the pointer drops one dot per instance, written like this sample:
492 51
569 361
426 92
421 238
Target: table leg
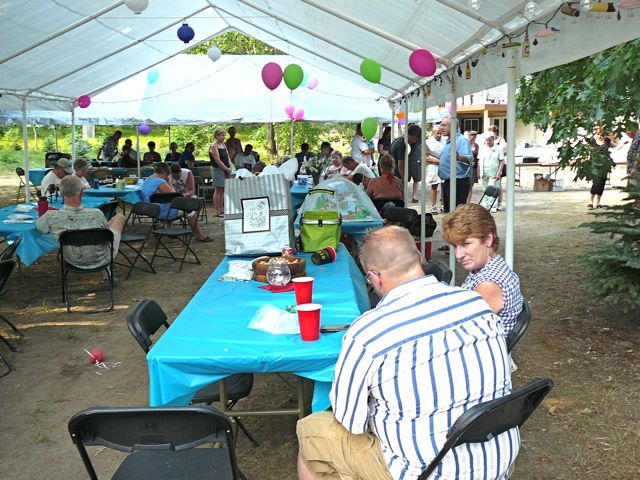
223 395
300 386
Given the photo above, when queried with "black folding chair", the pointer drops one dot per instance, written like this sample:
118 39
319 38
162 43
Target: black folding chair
9 366
92 237
51 158
522 323
380 203
6 267
182 235
486 420
492 192
136 241
160 442
199 182
9 253
405 217
109 209
439 270
162 198
146 318
33 190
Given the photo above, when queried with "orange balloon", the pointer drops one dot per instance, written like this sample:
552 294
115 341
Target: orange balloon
400 115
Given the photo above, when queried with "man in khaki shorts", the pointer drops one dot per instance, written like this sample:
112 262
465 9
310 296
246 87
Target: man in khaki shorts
407 370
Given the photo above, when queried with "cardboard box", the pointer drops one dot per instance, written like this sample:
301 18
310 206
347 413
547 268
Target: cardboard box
542 185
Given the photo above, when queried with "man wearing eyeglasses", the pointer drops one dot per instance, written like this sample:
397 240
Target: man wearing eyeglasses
407 370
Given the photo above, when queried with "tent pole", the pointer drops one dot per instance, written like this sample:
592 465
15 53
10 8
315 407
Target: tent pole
511 157
423 168
452 166
169 135
405 173
25 142
291 138
73 135
138 150
324 38
393 121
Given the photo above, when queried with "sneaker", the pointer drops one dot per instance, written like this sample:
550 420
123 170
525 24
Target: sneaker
414 200
590 207
434 210
441 209
494 210
512 365
499 207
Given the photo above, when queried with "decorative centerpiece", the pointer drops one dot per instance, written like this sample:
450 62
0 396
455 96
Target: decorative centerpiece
297 266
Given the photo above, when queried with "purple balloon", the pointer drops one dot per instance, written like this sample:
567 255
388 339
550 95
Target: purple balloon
84 101
312 83
272 75
422 63
144 129
289 110
298 114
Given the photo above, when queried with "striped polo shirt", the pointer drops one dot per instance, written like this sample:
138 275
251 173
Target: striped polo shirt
411 366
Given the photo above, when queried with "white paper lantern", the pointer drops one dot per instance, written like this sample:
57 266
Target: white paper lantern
214 53
136 6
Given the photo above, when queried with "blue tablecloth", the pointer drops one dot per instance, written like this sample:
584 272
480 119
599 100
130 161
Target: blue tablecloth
131 194
298 194
37 174
210 340
34 244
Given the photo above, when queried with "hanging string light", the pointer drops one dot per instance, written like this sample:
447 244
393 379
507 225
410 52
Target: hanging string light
531 9
474 4
137 6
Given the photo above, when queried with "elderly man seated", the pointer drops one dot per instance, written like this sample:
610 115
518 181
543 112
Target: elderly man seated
53 178
75 216
407 370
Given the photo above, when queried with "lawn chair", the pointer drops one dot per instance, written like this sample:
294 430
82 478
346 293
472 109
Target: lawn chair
518 330
183 235
146 318
33 190
160 441
6 267
492 192
485 421
136 241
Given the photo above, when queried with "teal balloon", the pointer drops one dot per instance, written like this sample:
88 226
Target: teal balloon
293 76
305 79
370 70
369 127
152 76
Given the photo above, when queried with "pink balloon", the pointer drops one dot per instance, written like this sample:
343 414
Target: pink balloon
289 110
298 114
96 355
144 129
272 75
422 63
312 83
84 101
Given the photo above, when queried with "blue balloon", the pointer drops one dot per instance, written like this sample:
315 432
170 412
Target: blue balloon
152 76
305 78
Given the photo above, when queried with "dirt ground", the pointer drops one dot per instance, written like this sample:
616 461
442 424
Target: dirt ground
586 428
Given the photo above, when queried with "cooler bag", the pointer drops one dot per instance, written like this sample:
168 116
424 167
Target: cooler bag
320 221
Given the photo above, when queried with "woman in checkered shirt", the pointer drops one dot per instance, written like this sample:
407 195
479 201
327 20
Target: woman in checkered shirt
471 230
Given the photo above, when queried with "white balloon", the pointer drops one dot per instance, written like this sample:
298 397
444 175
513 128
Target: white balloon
214 53
289 168
136 6
243 172
270 170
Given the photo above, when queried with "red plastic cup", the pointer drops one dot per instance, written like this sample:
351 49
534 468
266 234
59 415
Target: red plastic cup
303 286
309 319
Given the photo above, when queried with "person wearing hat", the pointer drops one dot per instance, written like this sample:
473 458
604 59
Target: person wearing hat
62 168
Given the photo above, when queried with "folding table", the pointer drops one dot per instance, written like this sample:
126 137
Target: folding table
210 339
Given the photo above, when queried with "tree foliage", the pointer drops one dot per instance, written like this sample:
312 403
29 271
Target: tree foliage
235 43
576 100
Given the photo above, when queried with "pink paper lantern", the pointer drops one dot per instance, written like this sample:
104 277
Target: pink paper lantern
422 63
84 101
289 110
272 75
298 114
144 129
312 83
401 121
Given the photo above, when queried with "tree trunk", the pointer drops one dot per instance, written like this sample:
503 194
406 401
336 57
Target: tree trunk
271 139
55 136
35 137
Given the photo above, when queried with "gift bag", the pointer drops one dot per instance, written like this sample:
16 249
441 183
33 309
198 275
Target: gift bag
258 218
320 224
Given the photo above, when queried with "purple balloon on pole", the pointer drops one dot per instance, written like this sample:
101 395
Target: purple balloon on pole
422 63
298 114
272 75
144 129
84 101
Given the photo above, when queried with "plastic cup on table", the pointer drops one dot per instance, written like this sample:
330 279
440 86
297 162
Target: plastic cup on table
303 287
309 320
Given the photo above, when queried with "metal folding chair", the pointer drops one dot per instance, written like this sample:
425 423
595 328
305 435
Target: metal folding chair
6 267
182 235
491 191
33 190
518 330
136 241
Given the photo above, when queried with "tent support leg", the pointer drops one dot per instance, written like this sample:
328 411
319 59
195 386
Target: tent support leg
511 157
25 142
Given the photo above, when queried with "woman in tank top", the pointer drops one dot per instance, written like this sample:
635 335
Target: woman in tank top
220 170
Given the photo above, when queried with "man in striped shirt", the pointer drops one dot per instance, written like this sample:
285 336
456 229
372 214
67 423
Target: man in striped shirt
407 370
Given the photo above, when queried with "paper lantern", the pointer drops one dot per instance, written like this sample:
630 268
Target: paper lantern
137 6
186 33
400 115
288 110
369 127
84 101
312 83
293 76
422 62
214 53
370 70
144 129
152 76
271 75
298 114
